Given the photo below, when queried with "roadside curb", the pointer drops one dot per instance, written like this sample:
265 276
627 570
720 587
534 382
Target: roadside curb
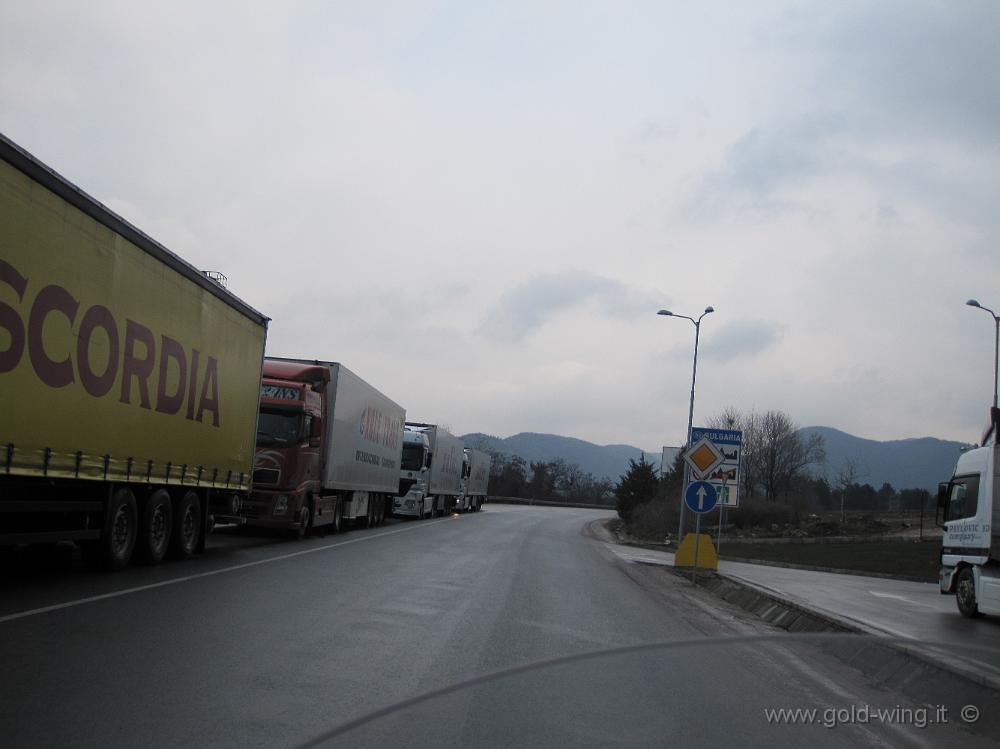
767 605
907 668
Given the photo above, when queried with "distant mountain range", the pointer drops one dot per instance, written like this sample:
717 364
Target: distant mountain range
918 463
609 461
906 464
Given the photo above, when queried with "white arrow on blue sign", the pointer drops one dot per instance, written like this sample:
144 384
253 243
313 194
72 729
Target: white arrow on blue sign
701 497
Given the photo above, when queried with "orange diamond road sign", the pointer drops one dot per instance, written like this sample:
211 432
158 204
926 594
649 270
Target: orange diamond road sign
703 457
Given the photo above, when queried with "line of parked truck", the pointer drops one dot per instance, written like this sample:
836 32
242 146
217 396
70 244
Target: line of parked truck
137 407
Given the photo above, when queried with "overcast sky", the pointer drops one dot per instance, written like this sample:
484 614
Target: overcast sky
479 207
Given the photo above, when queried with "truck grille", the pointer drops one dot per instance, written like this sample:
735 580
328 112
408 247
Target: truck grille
266 475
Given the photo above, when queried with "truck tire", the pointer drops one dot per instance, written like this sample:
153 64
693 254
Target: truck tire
305 519
187 526
114 550
338 517
965 594
155 524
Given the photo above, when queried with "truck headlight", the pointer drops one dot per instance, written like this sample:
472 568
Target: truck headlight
280 504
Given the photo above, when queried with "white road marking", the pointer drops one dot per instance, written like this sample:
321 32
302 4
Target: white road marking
209 573
878 594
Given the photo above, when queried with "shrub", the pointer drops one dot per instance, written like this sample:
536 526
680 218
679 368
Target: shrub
654 520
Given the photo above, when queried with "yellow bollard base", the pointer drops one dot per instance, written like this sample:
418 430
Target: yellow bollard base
707 558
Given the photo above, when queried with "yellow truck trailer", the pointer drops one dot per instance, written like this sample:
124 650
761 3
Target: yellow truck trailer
129 380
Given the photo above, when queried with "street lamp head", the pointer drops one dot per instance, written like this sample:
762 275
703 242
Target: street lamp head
973 303
666 312
709 309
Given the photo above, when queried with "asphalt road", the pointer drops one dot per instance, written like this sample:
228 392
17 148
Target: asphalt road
267 642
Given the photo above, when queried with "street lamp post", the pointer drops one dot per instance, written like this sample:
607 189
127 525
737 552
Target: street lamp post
694 375
996 344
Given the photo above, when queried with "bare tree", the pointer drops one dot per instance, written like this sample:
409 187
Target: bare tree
728 418
847 477
775 453
786 452
750 424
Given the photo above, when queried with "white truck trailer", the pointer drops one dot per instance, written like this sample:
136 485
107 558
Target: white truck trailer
475 480
970 550
328 448
431 475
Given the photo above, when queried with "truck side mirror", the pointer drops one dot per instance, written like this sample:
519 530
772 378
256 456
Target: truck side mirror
942 504
315 432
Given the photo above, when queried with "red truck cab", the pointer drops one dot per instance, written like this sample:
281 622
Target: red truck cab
286 471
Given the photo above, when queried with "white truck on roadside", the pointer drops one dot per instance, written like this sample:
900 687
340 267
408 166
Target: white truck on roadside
970 546
430 477
475 480
328 448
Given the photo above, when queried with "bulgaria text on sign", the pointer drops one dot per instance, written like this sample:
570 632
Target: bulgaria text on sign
726 476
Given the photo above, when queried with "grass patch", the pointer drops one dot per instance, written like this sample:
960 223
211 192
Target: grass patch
916 559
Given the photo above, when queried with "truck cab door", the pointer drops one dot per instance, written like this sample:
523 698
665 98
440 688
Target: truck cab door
966 532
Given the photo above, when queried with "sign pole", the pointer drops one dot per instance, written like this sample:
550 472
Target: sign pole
722 515
697 539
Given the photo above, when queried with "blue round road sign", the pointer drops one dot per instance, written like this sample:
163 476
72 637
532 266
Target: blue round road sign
700 497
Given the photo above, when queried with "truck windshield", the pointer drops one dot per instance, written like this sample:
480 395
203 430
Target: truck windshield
279 429
413 458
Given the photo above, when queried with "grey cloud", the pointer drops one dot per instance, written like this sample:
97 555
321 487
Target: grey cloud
890 73
525 308
762 159
914 68
740 339
766 159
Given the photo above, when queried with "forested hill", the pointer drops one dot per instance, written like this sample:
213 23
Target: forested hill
603 461
909 463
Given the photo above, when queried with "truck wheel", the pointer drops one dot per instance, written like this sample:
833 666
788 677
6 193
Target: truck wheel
154 528
187 529
338 517
381 511
965 594
305 519
114 550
